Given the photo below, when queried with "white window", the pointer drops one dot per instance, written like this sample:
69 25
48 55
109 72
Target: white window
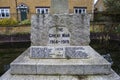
79 10
4 13
42 10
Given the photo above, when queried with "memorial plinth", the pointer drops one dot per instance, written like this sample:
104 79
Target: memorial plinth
67 66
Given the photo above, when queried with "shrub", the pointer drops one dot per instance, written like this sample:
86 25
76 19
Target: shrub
8 22
25 22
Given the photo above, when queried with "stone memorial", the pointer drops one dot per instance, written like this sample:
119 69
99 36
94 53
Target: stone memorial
59 7
59 29
60 50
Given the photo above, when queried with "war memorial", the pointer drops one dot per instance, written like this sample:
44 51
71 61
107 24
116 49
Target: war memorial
60 49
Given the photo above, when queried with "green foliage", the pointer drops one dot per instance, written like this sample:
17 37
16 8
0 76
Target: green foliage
112 5
118 29
8 22
113 9
105 28
99 16
25 22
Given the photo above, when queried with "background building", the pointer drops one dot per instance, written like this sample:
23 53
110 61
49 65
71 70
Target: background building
23 9
99 6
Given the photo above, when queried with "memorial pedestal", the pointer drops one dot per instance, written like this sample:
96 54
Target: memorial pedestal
95 64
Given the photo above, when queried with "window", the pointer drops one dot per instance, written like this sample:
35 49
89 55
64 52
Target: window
42 10
4 13
79 10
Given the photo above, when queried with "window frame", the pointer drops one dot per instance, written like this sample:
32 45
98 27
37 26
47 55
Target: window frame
4 12
42 10
80 10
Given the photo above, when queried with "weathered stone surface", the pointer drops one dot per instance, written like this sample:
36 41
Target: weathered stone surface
59 36
71 52
77 25
76 52
8 76
59 7
24 65
93 65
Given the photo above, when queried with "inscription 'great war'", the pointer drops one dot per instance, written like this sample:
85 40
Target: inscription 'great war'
59 36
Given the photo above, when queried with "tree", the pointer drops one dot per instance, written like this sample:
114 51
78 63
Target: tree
113 9
112 5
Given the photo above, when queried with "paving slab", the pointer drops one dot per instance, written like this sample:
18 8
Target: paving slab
95 64
9 76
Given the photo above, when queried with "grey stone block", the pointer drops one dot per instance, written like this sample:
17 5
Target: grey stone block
42 24
23 68
97 69
23 65
59 6
60 69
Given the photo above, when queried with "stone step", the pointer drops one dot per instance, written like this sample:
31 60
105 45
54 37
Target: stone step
93 65
8 76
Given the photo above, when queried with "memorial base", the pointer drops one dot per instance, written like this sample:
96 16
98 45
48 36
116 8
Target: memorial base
95 64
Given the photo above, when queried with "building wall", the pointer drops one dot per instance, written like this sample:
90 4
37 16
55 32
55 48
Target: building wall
44 3
99 6
81 3
34 3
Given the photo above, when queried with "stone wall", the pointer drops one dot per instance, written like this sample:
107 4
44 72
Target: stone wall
77 25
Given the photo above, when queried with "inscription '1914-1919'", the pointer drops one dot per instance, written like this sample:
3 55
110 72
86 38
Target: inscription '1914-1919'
59 36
